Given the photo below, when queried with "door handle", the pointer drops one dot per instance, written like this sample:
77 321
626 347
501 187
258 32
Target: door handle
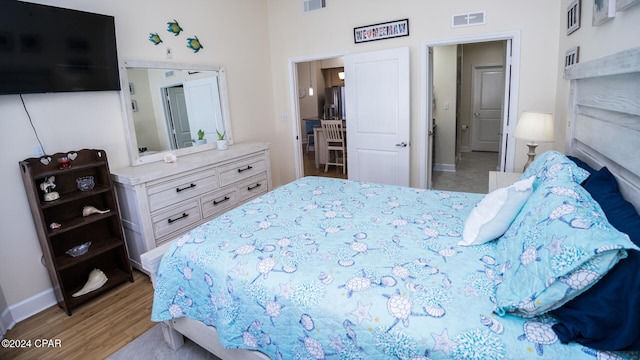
402 144
476 114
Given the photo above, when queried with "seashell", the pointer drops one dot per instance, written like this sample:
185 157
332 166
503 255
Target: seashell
90 210
96 279
55 225
72 155
388 281
346 263
435 311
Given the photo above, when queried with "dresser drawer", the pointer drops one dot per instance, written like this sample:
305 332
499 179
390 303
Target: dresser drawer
252 187
181 188
219 201
176 219
241 169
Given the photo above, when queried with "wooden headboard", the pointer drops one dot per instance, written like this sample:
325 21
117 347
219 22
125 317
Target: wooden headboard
604 118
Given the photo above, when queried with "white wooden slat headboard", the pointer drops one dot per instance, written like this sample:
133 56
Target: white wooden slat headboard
604 126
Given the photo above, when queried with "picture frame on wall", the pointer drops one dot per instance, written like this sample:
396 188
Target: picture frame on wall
603 11
381 31
571 56
622 5
573 16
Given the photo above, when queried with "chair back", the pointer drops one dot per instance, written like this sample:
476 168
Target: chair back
332 130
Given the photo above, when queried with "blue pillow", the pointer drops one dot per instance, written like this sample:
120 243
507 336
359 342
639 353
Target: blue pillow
551 166
582 164
559 245
607 316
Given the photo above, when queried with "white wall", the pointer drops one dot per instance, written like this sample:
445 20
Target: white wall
594 41
294 34
233 33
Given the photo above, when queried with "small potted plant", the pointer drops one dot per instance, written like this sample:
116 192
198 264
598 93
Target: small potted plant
201 140
222 141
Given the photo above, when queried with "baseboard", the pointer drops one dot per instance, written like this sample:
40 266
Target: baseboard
6 322
31 306
444 167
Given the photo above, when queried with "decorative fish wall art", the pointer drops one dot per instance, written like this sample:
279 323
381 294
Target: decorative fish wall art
194 44
174 27
155 38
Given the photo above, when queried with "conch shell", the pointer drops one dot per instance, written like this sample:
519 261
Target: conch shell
89 210
96 279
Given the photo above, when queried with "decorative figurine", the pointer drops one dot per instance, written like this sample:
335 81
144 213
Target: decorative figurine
47 186
174 27
96 279
89 210
155 38
194 44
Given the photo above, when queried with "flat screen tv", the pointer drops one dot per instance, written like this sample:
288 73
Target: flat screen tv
49 49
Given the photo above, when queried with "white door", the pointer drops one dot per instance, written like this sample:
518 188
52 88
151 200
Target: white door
203 105
488 95
377 104
178 120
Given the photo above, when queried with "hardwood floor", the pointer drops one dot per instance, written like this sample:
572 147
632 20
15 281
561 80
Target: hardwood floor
95 330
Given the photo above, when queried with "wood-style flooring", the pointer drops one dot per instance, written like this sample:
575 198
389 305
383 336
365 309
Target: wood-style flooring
95 330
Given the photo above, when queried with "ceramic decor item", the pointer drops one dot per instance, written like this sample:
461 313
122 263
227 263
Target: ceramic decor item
194 44
90 210
174 28
155 38
96 279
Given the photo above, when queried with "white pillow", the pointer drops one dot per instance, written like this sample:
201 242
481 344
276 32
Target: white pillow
495 212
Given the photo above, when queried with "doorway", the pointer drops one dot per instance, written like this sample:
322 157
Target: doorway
471 119
319 89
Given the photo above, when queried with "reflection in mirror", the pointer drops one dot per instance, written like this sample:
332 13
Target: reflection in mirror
168 104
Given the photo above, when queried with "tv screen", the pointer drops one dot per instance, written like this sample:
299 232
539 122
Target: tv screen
50 49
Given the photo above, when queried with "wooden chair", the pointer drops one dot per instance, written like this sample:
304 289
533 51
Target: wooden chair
334 138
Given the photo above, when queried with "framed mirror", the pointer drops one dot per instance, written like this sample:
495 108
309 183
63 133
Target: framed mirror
169 106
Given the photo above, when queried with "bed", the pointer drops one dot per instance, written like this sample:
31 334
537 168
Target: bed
336 269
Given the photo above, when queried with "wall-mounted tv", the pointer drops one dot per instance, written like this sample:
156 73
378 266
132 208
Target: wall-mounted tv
50 49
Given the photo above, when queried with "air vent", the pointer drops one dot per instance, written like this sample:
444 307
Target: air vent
314 5
468 19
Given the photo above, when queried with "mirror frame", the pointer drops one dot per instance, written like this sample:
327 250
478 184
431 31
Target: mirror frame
127 112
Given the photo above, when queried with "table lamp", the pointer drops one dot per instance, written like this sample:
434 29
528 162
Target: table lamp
534 127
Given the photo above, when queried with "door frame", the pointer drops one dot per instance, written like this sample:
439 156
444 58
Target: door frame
510 113
295 108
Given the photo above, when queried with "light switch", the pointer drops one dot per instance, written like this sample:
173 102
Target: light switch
446 106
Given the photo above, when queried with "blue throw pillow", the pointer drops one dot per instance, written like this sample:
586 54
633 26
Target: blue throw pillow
551 166
607 316
558 246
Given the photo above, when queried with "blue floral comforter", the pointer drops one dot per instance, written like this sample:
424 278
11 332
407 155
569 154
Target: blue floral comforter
334 269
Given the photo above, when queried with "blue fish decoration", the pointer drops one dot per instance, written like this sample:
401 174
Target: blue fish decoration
174 27
194 44
155 38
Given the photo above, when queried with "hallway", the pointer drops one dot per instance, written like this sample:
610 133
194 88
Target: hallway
472 173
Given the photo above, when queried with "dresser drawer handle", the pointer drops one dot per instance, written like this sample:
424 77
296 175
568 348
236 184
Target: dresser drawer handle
184 215
226 198
249 167
186 187
254 186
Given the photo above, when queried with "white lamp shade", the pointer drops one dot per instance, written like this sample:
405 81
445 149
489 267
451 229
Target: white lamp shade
535 127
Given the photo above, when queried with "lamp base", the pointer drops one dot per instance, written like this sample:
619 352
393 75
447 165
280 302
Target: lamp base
532 155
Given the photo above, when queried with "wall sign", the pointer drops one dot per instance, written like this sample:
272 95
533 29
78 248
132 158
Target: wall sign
381 31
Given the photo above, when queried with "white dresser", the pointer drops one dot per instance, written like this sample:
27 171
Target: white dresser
160 201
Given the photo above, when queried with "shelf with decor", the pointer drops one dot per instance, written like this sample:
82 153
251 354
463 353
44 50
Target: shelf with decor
76 216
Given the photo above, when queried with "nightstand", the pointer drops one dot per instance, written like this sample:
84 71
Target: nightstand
499 179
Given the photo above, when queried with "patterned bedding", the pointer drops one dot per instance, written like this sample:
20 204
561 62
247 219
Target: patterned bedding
334 269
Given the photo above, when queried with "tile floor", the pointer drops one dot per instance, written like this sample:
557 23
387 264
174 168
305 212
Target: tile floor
472 173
